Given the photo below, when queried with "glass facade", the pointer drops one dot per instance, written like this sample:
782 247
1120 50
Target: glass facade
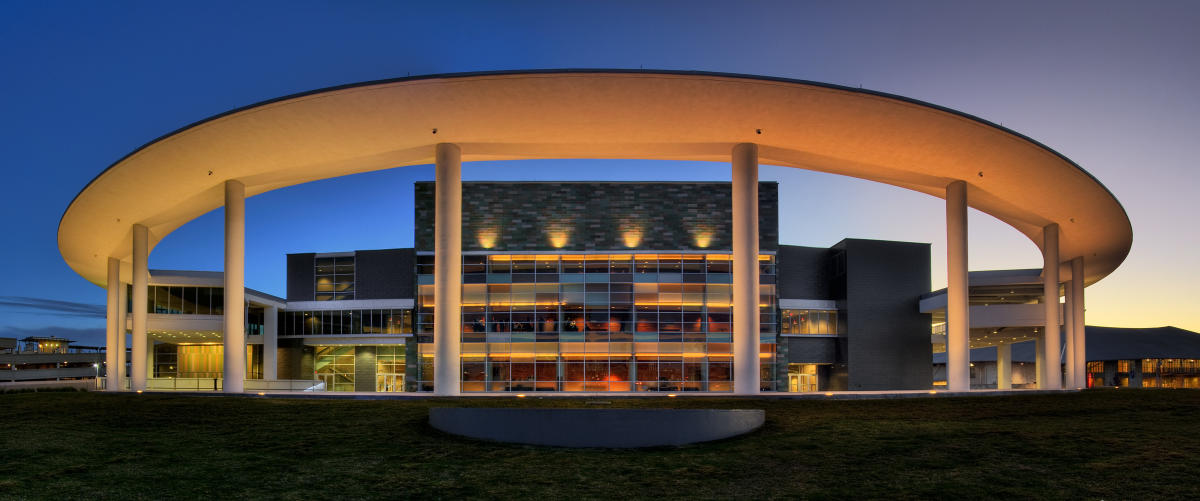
343 322
203 361
810 322
181 300
389 368
334 365
334 278
597 322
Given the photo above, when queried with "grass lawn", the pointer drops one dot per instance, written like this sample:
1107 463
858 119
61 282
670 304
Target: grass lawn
1113 444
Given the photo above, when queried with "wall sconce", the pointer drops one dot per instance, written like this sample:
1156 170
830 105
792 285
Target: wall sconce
631 237
487 238
702 236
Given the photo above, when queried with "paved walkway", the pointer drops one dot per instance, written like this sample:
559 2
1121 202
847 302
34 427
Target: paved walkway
831 395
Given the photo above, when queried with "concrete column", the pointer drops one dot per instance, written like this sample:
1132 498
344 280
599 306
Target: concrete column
1052 345
112 329
1039 359
1068 340
270 343
958 340
1079 332
1004 366
149 357
122 331
141 279
745 270
447 278
235 287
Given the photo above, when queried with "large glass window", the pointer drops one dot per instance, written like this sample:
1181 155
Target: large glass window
389 372
334 365
813 322
201 361
255 321
184 300
598 322
334 278
346 322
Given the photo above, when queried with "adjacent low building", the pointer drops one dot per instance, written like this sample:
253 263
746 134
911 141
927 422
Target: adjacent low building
1159 357
48 358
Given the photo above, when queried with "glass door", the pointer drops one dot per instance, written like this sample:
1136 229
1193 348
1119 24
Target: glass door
389 383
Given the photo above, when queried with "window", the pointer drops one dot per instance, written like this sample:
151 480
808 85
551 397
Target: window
334 278
345 322
183 300
597 322
808 322
334 365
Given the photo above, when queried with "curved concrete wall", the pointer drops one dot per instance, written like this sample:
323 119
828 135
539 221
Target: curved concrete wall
610 428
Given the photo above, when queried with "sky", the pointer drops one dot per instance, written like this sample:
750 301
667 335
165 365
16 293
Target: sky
1110 84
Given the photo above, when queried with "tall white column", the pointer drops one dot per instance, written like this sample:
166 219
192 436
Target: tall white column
149 357
746 379
447 263
1053 340
1039 359
270 343
958 345
141 279
122 331
1068 341
1079 332
235 287
112 332
1004 366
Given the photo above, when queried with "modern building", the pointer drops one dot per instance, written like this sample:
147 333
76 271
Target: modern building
1160 357
570 286
673 287
48 358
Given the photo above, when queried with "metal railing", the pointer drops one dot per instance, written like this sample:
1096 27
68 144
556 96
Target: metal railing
216 384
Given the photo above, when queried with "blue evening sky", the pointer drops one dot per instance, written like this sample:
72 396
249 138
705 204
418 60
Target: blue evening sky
1110 84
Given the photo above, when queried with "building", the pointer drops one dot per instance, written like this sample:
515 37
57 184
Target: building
48 359
1160 357
109 229
573 287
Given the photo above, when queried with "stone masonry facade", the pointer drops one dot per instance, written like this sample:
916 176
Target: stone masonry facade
597 216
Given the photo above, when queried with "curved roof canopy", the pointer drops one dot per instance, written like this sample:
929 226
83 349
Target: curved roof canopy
593 114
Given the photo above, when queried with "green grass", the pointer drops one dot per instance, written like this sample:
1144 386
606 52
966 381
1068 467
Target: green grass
1113 444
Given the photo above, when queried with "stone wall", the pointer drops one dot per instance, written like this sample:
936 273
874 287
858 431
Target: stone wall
588 216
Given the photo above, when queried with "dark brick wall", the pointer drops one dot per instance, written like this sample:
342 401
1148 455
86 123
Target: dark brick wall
803 272
811 350
364 368
596 216
307 362
288 359
300 276
384 274
887 338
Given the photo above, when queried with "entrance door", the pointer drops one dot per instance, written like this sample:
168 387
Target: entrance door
389 382
802 378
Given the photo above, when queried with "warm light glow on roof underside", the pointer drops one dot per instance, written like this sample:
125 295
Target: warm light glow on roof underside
593 114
